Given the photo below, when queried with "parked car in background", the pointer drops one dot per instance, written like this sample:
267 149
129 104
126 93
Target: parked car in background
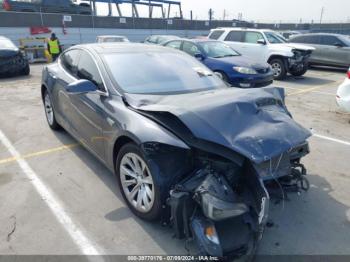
111 38
12 61
331 49
228 64
289 34
267 46
47 6
343 94
159 39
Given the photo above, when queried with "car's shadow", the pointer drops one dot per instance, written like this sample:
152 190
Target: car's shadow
301 225
162 235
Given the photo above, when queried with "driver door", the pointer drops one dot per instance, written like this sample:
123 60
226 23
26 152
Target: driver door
88 113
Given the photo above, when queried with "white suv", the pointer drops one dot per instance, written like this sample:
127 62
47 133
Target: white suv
267 46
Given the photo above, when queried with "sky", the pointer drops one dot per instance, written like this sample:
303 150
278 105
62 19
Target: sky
259 10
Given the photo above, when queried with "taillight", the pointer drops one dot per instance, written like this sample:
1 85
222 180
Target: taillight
348 74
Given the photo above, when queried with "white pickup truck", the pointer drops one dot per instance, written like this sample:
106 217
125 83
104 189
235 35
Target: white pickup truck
267 46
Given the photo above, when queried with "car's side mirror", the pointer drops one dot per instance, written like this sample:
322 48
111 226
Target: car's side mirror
261 42
199 56
81 86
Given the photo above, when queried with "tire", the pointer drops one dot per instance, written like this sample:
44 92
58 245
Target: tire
26 70
279 67
49 112
222 76
300 72
143 198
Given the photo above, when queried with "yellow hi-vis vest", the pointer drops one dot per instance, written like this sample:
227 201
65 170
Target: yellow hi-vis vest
54 48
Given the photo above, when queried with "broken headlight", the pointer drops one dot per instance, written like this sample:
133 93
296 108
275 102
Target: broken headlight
217 199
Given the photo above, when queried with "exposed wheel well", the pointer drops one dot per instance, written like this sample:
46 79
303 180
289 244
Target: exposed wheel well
275 57
43 89
121 141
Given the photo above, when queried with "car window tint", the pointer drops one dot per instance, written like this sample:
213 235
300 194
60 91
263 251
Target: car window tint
330 40
174 44
88 70
69 61
252 37
190 48
216 34
234 36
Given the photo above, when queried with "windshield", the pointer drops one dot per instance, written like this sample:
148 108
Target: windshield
274 38
217 49
6 44
160 73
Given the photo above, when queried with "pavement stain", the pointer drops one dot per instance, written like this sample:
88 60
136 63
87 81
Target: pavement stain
5 178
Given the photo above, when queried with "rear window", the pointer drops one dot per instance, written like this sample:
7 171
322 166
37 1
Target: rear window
216 34
154 74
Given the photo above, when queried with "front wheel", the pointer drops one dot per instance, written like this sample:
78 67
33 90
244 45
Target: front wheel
279 68
300 72
138 185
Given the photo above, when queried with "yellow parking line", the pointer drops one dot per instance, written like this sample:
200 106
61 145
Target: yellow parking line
39 153
305 90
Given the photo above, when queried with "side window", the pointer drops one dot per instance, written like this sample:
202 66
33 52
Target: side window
330 40
298 39
174 44
252 37
216 34
234 36
69 61
88 70
190 48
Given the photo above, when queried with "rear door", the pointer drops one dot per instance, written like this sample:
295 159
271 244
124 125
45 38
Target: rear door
67 62
235 39
317 55
334 50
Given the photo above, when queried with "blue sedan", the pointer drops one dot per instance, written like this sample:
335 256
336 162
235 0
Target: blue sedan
228 64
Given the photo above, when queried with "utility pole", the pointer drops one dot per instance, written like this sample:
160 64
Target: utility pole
211 12
191 15
321 16
224 15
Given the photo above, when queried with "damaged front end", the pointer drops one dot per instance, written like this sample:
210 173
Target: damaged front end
240 142
222 206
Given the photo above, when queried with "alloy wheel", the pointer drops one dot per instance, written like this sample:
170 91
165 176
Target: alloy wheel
137 183
48 109
277 69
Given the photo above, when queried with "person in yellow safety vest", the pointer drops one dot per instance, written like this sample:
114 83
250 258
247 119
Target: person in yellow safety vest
54 47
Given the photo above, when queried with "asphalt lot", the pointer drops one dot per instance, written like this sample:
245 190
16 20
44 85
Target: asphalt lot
56 198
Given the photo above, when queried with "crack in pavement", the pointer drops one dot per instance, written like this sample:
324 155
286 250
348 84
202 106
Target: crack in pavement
13 228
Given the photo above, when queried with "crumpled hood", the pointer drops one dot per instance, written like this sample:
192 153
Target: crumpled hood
240 61
252 122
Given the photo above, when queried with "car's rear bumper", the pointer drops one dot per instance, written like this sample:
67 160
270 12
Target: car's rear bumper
343 95
12 65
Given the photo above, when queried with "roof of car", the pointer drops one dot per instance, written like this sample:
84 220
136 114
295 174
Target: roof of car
3 38
242 29
200 40
328 34
102 48
106 36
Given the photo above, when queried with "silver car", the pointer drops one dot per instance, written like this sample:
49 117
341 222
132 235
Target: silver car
331 49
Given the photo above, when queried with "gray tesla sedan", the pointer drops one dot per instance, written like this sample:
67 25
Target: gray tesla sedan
331 49
185 147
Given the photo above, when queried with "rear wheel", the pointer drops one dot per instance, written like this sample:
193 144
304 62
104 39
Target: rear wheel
138 185
49 112
279 68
